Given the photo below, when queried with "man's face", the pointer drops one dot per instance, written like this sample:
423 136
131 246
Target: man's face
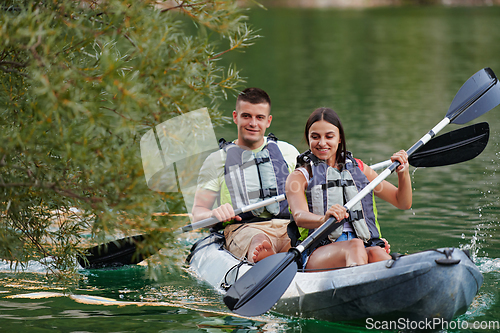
252 121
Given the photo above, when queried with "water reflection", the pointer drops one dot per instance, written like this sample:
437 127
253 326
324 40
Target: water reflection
62 312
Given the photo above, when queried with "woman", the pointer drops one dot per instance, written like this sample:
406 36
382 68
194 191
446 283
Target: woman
330 177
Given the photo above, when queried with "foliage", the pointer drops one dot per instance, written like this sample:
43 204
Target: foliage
81 82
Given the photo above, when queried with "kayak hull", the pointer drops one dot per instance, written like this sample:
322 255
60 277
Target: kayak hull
432 284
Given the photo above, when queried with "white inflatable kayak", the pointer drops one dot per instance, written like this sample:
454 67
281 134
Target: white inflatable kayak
431 284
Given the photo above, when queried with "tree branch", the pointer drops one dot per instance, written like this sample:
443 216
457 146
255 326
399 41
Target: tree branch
224 52
15 71
182 5
35 54
13 63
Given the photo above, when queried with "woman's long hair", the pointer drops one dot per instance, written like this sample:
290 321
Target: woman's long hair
332 117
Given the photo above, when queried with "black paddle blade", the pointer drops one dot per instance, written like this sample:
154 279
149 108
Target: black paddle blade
453 147
262 286
113 254
478 95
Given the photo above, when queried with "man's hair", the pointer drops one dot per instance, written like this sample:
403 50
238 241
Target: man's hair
254 96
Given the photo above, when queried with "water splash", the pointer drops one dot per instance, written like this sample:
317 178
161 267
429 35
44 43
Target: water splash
474 246
488 265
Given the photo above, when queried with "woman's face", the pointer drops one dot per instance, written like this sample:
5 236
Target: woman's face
324 139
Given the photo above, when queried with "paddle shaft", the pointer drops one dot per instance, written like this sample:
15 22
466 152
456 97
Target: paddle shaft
211 220
245 298
426 138
453 147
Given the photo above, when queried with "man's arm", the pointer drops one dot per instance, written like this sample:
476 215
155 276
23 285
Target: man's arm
209 183
203 203
202 209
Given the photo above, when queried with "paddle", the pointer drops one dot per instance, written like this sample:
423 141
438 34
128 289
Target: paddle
453 147
262 286
212 220
123 251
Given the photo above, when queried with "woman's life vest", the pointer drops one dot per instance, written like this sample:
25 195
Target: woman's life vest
329 186
252 177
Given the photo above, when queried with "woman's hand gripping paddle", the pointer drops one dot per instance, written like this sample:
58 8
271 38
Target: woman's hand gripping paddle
262 286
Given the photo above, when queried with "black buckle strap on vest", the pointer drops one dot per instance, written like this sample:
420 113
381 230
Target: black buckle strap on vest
351 159
222 143
315 160
306 158
354 216
260 160
255 161
337 183
303 159
263 193
273 137
268 193
375 242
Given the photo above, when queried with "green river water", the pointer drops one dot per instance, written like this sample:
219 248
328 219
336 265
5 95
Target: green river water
391 74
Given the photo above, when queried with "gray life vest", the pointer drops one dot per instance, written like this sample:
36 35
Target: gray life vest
329 186
252 177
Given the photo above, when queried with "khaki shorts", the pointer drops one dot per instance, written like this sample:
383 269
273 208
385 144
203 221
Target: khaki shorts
239 236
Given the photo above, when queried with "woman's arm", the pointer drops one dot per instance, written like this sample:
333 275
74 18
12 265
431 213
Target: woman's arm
401 196
296 185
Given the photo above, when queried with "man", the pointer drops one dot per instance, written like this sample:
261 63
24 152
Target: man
250 169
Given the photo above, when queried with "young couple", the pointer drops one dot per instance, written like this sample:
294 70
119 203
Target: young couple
255 167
